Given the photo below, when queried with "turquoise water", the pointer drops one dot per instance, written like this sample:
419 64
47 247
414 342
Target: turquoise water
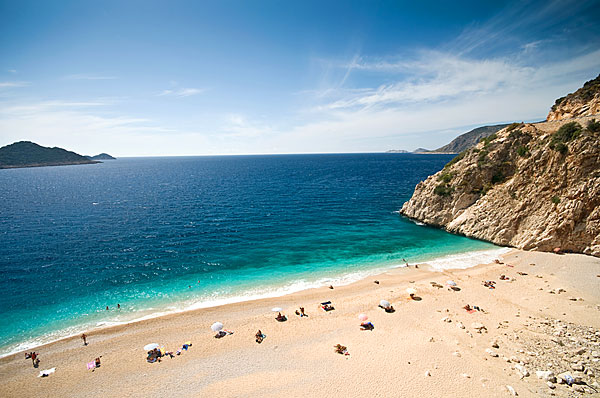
159 235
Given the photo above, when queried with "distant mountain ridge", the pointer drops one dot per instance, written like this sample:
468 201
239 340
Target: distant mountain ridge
29 154
460 143
469 139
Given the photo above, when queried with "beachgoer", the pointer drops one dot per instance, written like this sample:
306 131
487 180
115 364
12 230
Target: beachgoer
367 326
376 282
97 360
302 312
34 357
118 306
107 308
259 336
331 286
298 313
84 337
340 349
280 317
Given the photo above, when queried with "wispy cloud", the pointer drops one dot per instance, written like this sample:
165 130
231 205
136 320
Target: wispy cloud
13 84
506 28
86 127
84 76
13 71
181 92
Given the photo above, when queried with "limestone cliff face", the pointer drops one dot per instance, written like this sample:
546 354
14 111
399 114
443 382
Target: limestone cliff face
530 186
583 102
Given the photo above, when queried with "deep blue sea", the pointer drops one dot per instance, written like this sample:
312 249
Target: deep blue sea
165 234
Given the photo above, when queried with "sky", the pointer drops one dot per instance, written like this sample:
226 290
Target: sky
171 78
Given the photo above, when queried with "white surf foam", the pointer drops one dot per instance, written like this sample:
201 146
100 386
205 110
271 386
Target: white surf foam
454 261
465 260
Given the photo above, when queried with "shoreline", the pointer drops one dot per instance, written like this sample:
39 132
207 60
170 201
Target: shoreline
297 356
277 291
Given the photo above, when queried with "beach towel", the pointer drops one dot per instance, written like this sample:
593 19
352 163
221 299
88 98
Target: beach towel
471 311
91 365
47 372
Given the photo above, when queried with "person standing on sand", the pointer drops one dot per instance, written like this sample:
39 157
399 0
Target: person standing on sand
34 357
84 337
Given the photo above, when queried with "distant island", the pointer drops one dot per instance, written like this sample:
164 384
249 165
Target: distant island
102 156
29 154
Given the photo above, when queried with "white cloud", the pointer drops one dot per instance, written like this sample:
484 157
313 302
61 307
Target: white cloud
84 76
80 126
13 84
181 92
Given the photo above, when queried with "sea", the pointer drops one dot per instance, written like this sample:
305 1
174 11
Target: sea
168 234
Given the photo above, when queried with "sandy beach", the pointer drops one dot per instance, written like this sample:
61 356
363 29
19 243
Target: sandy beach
431 346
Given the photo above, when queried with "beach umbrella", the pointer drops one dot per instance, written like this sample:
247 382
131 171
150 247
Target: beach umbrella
277 309
150 346
363 317
384 303
451 283
217 327
411 291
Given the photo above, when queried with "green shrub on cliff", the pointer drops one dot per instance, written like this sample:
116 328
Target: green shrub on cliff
593 126
486 140
445 177
513 126
482 157
443 190
456 158
497 177
565 133
523 151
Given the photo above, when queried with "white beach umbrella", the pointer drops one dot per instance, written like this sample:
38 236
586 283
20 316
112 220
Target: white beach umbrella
451 283
150 346
363 317
411 291
384 303
216 327
276 309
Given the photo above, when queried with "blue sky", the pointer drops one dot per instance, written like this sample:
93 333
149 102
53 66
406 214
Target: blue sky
152 78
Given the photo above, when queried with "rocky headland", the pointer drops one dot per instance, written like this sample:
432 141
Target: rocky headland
29 154
530 186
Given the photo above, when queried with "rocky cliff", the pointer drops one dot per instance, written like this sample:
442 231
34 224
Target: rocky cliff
530 186
583 102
